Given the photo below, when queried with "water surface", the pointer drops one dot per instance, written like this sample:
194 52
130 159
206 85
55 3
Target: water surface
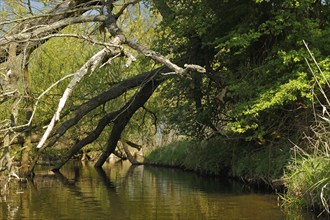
121 191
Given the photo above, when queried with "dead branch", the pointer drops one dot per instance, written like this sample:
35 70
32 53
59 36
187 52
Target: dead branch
49 15
77 36
39 26
36 104
132 144
129 155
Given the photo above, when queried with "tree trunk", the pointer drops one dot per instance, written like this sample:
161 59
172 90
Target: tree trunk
139 100
12 86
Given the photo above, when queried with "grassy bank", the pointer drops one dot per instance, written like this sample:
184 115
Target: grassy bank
307 179
220 157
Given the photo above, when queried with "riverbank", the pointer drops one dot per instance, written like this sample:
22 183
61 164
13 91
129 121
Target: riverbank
252 164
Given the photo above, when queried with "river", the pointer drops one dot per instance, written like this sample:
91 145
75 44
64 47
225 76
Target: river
121 191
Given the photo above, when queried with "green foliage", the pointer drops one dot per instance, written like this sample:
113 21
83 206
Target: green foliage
255 49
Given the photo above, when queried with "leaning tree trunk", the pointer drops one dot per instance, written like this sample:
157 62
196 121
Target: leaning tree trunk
122 120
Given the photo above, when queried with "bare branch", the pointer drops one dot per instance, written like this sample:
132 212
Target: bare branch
48 15
318 67
120 38
82 37
124 6
25 36
36 104
163 60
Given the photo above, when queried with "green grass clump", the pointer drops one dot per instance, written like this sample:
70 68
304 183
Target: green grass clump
207 157
308 181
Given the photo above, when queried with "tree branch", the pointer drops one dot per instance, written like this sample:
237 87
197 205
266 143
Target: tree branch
104 97
63 10
125 5
42 30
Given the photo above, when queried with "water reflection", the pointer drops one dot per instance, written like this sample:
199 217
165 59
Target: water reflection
128 192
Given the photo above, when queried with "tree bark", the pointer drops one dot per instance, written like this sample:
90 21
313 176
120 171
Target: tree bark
27 145
11 86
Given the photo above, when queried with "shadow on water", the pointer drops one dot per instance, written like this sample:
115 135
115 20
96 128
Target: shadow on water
121 191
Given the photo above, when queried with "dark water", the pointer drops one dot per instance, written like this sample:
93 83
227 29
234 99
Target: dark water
125 192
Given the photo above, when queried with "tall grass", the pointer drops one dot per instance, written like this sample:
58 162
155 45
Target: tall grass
308 175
